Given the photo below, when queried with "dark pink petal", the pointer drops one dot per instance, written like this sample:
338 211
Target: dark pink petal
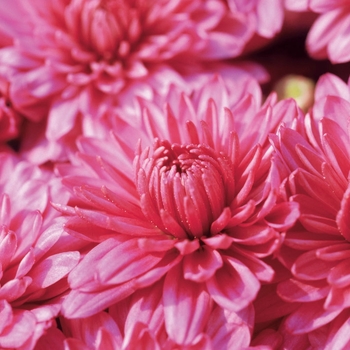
8 246
269 306
6 314
74 344
309 316
262 271
187 307
14 289
230 330
305 240
132 262
337 299
20 329
339 276
252 235
89 329
241 290
139 337
127 226
78 277
201 264
334 251
309 267
106 340
294 290
221 222
79 304
221 241
146 307
283 215
343 216
338 336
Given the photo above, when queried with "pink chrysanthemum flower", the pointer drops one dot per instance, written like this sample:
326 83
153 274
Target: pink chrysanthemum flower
197 205
35 253
72 57
317 249
329 35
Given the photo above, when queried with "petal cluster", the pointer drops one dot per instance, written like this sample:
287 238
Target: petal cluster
317 249
33 265
328 36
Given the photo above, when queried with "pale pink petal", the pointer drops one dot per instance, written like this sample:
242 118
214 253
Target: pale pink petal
54 268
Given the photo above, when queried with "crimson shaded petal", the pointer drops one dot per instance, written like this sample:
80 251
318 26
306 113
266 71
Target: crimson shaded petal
343 216
339 276
308 266
294 290
131 262
201 264
309 317
283 215
241 290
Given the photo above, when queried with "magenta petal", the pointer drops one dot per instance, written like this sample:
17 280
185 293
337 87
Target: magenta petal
230 330
343 216
201 264
139 337
21 328
82 304
131 262
309 267
82 276
13 289
283 215
294 290
6 314
187 307
147 308
309 316
338 337
241 290
75 344
53 268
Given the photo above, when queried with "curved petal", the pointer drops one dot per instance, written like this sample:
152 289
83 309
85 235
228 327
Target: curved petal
201 264
241 290
187 307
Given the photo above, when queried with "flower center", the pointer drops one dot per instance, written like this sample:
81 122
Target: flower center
108 28
184 187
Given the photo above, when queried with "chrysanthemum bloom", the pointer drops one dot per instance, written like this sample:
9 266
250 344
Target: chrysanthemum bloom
35 253
70 58
317 249
138 323
329 35
38 147
197 206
